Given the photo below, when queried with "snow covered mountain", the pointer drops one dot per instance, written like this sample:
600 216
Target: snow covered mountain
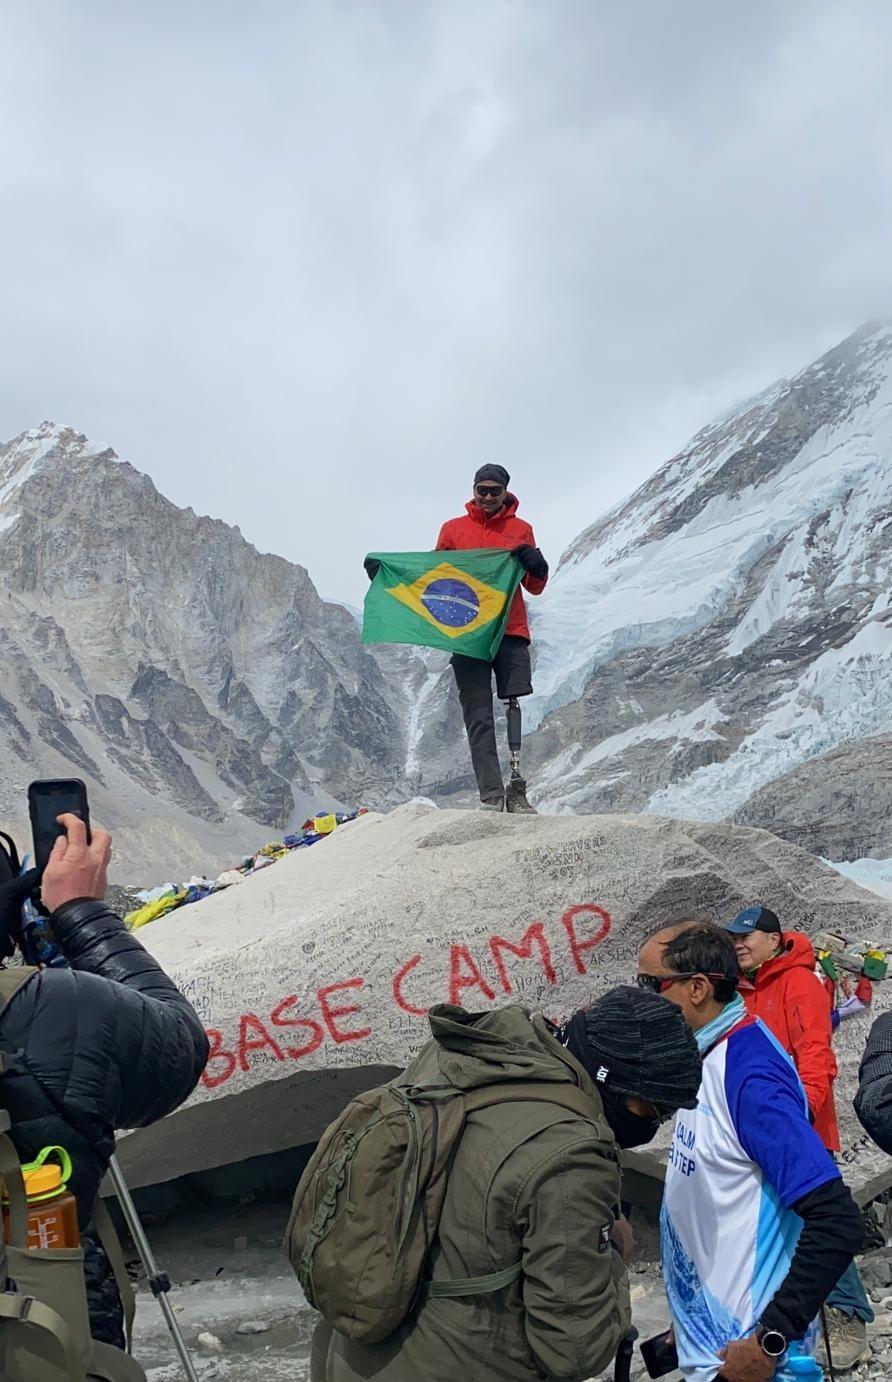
203 690
719 646
716 647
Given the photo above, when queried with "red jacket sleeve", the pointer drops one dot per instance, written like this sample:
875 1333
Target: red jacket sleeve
811 1032
444 541
534 584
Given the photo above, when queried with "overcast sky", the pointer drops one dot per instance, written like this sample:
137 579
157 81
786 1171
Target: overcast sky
309 263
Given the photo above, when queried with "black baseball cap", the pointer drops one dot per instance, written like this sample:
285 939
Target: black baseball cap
754 919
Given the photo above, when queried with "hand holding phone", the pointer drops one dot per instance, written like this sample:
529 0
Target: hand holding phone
659 1354
78 867
49 800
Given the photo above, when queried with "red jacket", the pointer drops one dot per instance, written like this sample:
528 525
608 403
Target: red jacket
504 529
791 1001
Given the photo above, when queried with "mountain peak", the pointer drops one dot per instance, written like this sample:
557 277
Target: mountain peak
731 620
157 655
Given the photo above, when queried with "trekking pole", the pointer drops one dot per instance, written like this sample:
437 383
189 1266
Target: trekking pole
826 1332
622 1368
159 1282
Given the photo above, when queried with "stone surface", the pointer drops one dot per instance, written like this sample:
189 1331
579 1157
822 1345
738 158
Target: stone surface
838 805
210 1289
313 977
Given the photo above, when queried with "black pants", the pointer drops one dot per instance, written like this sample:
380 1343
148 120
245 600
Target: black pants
474 680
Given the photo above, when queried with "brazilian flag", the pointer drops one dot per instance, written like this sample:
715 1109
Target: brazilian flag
453 600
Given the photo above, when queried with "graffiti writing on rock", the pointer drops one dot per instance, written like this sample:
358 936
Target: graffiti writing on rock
299 1024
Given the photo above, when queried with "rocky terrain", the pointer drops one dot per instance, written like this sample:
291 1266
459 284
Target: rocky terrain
245 1319
718 647
203 690
314 976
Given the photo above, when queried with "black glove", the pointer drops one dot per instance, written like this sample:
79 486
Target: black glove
372 567
532 560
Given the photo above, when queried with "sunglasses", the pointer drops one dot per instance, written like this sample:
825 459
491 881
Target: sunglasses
489 491
659 983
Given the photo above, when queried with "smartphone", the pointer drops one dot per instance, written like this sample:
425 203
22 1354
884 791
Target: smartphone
48 800
659 1355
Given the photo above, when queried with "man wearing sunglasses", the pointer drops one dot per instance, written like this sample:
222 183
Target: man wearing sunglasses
757 1226
491 521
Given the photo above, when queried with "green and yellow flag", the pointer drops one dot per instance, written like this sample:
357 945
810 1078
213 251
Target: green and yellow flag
453 600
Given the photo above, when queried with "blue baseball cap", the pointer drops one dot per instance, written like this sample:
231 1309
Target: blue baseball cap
754 919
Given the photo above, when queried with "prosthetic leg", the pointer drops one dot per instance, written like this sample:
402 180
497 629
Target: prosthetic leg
516 791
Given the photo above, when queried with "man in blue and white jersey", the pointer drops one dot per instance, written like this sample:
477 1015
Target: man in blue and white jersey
757 1225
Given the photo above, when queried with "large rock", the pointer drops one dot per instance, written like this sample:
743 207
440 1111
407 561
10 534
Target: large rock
838 805
313 977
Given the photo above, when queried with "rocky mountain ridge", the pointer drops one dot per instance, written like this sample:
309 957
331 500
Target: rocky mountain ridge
203 690
718 647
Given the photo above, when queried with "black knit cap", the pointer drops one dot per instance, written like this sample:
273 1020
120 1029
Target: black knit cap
635 1042
497 474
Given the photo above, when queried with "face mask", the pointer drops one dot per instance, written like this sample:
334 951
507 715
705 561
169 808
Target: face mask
629 1129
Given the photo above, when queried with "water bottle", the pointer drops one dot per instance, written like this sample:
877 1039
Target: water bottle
52 1209
797 1365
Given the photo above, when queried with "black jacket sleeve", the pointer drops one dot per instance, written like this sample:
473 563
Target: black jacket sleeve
873 1102
108 1043
154 1042
832 1232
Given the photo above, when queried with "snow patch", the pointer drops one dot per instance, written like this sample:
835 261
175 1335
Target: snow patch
873 874
845 695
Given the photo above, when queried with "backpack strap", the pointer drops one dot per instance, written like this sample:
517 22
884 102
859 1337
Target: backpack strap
11 980
11 1173
565 1095
16 1309
12 854
111 1246
454 1288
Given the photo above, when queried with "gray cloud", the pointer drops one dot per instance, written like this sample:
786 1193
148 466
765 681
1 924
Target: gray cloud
308 264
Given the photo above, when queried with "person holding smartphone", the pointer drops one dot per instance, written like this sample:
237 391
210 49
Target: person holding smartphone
102 1042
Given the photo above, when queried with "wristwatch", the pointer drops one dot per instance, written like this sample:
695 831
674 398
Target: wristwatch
772 1342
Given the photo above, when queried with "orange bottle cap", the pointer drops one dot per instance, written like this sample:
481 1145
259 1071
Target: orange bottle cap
42 1181
44 1178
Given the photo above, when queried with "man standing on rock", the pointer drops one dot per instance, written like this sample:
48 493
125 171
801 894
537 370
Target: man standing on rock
780 986
757 1225
491 521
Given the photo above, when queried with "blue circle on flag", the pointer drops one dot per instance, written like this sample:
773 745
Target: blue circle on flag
451 602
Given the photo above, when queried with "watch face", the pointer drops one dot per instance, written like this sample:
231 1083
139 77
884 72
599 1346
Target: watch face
773 1343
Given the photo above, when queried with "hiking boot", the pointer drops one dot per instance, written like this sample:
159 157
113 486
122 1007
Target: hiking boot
848 1340
492 805
516 798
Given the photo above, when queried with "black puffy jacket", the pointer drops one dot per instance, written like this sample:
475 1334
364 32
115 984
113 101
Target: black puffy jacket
873 1103
108 1043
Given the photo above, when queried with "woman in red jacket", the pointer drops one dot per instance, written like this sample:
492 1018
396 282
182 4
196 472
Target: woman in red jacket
491 520
781 987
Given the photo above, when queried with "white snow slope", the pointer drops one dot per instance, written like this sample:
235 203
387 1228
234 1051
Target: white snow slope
771 533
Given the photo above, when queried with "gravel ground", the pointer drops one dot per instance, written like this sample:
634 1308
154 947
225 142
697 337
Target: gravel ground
244 1318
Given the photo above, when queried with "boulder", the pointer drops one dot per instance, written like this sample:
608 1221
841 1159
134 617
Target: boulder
313 977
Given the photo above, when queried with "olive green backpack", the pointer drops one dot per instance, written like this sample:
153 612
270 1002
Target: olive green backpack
44 1323
367 1207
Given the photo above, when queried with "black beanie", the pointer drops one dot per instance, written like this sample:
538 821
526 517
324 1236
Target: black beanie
635 1042
496 473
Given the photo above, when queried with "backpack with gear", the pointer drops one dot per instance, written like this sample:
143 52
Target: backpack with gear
44 1322
367 1207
